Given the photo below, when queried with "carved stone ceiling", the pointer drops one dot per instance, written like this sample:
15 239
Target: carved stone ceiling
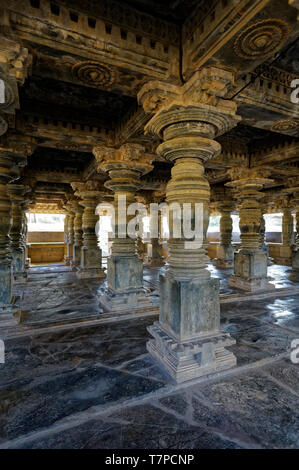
54 159
172 10
288 59
175 11
252 138
60 100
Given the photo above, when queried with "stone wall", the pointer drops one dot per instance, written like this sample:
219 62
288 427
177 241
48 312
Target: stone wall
45 237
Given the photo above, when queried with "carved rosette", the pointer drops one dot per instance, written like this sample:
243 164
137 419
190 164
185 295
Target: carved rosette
262 39
94 74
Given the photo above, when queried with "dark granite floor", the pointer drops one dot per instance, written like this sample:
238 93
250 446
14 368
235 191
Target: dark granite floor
77 378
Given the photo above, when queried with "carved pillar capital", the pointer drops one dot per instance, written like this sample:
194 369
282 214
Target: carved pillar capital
124 166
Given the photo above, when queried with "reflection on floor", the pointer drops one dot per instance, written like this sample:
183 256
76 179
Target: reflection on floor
75 377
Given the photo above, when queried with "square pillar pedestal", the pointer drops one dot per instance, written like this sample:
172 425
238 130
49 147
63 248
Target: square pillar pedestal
187 340
19 272
6 282
250 271
225 256
90 267
125 285
284 256
294 276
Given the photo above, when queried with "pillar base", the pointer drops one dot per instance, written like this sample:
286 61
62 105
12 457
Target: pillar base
68 260
90 268
187 340
193 358
125 273
20 277
225 257
91 273
250 271
294 275
125 302
155 262
223 264
6 277
284 256
251 285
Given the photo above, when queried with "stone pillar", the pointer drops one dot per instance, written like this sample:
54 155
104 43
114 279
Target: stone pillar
9 161
295 255
225 251
91 254
66 230
124 166
187 340
285 250
70 234
26 204
156 259
17 193
141 246
250 261
78 234
294 203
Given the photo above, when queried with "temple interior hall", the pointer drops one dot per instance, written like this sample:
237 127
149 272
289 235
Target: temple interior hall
149 224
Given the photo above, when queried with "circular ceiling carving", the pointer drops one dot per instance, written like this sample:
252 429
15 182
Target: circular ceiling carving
286 125
93 73
261 39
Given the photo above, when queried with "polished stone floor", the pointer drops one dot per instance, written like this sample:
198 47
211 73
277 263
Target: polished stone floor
75 377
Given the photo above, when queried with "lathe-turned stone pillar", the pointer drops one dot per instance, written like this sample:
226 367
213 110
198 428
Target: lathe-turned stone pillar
124 166
9 161
66 230
91 254
187 340
78 233
225 250
293 190
295 255
17 194
250 261
70 234
156 259
285 250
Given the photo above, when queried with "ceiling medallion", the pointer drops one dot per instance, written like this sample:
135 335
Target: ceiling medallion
286 126
261 39
93 73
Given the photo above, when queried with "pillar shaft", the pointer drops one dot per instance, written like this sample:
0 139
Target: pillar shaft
18 244
156 258
78 233
90 195
70 236
250 262
225 252
187 340
8 172
124 166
